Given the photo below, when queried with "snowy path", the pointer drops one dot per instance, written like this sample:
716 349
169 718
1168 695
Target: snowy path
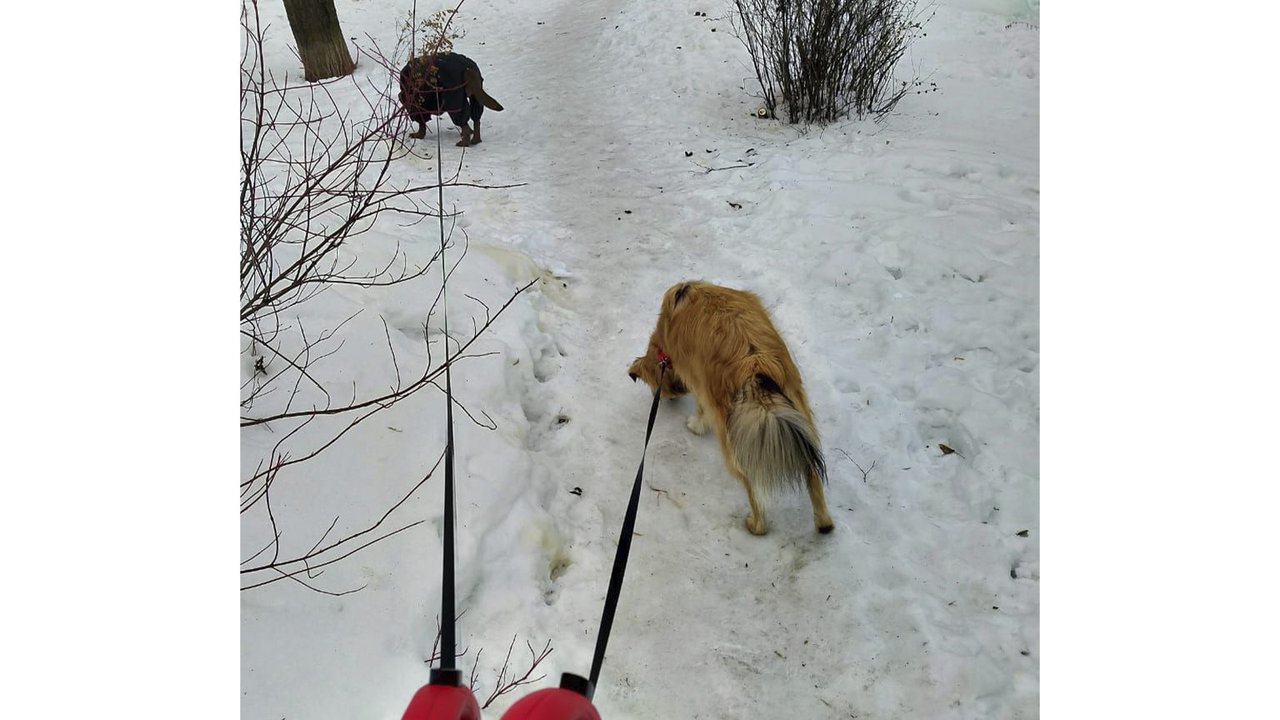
900 260
610 143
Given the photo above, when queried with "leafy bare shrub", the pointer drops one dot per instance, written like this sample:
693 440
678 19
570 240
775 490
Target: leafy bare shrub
440 28
824 59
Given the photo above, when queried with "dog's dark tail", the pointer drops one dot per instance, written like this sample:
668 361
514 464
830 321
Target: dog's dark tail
773 442
475 88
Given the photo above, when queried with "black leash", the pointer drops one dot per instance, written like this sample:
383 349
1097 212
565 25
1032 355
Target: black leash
624 545
447 673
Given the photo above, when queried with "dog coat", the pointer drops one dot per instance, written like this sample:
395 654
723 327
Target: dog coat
434 85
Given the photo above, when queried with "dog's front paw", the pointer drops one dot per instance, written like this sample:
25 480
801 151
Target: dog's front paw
696 425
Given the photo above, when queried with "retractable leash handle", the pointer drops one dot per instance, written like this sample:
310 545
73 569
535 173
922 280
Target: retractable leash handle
570 701
444 698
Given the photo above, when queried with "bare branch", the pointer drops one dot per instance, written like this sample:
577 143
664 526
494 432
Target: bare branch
505 684
387 399
318 175
866 472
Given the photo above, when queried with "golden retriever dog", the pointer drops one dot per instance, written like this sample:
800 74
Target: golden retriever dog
724 349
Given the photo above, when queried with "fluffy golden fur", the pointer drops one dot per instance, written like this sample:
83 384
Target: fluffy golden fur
725 350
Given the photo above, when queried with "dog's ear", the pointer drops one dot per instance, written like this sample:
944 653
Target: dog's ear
684 288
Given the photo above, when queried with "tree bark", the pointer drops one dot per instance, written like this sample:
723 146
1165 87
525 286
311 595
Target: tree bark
319 36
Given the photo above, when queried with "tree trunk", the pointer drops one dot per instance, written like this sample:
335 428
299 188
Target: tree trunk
319 36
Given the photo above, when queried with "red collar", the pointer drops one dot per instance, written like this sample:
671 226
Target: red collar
663 358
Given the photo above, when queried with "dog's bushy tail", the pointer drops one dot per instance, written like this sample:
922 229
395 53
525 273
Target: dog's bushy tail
773 442
487 101
475 88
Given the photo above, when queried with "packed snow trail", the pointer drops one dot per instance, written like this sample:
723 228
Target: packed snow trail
792 622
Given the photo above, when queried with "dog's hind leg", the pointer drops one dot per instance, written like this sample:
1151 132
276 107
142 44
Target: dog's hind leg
474 111
477 109
821 518
756 523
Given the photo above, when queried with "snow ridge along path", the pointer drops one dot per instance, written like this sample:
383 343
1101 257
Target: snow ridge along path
900 261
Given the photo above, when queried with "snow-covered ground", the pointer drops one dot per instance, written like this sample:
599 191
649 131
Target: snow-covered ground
121 595
900 259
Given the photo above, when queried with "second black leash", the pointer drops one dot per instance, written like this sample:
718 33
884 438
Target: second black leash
624 545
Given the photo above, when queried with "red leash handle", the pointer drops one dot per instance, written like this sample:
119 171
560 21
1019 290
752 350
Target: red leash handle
552 704
570 701
443 702
443 698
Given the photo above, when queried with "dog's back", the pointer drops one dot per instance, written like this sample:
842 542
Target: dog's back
728 338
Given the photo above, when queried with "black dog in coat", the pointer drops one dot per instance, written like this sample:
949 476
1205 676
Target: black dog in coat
445 83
